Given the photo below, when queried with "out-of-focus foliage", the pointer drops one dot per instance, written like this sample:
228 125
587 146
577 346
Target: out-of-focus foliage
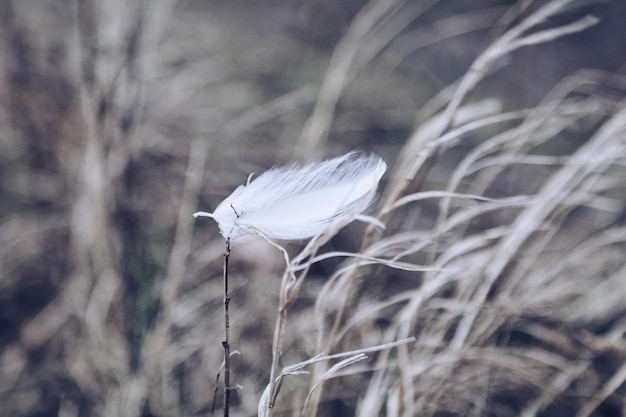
119 118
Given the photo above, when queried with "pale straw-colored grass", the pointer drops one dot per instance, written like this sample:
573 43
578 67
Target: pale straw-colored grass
495 287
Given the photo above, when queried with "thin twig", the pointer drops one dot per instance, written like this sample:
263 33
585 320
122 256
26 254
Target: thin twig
226 342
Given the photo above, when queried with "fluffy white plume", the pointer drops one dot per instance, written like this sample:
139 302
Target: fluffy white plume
297 202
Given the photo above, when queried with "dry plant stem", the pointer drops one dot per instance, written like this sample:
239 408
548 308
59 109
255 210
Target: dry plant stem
339 70
288 293
289 289
507 43
277 350
226 342
315 398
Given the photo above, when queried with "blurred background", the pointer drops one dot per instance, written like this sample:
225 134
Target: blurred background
119 119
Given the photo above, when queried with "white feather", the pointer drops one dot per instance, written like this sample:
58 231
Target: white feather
297 202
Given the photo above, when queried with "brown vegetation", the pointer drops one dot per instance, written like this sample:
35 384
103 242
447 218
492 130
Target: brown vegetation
503 252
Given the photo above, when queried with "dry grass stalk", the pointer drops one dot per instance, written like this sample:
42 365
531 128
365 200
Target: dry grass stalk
502 252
